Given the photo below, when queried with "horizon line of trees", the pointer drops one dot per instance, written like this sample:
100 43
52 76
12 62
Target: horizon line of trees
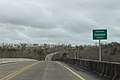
110 51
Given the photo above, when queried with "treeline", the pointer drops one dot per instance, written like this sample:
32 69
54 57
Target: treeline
32 51
110 51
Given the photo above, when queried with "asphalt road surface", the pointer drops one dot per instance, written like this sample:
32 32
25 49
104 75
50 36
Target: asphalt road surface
47 70
49 56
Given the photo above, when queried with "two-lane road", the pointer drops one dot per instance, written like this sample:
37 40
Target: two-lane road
48 70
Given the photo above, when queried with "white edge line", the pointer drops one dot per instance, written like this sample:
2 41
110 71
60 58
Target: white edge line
80 77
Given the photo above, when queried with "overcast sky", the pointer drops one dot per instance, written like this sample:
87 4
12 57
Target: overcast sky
58 21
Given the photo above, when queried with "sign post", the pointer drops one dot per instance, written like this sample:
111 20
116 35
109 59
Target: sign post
100 54
100 34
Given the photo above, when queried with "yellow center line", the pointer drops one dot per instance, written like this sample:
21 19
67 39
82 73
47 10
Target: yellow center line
8 77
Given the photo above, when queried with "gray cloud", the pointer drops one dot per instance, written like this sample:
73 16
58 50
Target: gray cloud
28 13
52 21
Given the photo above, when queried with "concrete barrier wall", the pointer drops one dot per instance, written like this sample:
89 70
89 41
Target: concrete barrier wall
110 70
10 60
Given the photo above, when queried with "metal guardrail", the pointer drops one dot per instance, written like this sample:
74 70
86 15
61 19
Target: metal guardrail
110 70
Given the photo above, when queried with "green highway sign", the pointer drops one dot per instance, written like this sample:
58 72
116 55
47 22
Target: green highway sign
99 34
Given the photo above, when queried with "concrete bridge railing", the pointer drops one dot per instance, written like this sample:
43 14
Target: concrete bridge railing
110 70
10 60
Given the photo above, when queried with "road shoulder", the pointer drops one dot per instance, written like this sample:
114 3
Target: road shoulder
87 75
